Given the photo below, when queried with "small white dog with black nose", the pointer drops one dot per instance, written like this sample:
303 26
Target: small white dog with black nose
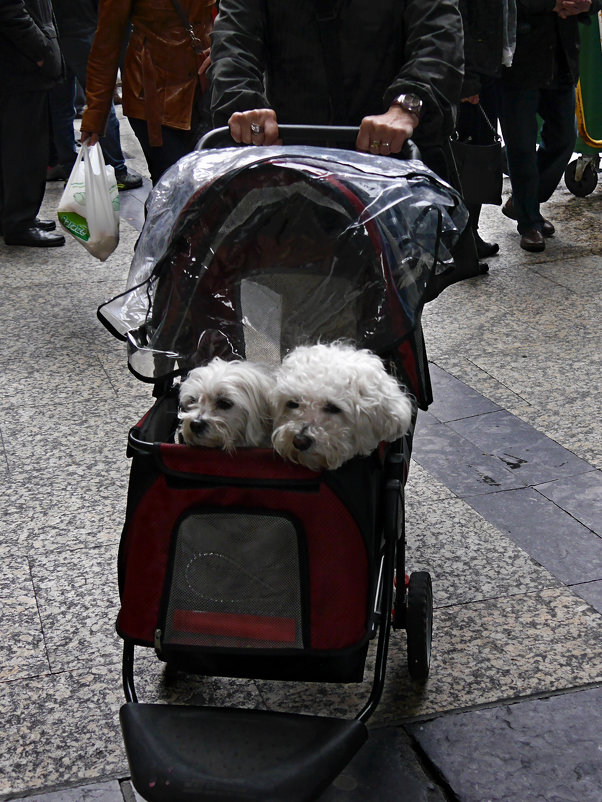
333 402
225 405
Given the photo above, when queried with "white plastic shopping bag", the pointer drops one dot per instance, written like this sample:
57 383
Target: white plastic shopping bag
89 206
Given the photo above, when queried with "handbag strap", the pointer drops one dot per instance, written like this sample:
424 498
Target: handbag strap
496 136
194 39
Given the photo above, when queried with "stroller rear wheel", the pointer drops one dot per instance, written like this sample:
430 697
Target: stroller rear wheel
419 624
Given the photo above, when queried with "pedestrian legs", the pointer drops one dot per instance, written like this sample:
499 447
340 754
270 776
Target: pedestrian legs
558 136
520 129
24 129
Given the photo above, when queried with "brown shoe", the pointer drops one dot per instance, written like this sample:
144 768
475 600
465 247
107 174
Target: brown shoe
547 228
532 240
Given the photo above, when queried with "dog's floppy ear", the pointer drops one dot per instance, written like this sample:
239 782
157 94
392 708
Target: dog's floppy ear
385 410
258 389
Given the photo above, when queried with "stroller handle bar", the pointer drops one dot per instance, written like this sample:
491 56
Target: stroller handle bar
303 135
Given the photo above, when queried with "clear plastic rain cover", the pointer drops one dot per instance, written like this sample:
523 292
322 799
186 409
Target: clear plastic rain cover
248 252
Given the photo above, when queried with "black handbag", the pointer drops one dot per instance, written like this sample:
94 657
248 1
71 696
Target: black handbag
480 167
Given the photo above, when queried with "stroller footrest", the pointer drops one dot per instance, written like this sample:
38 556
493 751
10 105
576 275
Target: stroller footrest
191 754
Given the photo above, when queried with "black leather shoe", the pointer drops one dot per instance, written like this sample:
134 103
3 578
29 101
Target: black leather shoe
532 240
34 237
547 228
485 249
44 225
128 180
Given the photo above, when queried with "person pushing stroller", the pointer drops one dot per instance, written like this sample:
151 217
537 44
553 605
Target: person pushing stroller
394 69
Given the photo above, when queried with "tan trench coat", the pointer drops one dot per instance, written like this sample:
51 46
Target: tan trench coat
160 76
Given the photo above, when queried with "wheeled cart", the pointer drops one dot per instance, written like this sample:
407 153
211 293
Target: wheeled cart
245 565
581 175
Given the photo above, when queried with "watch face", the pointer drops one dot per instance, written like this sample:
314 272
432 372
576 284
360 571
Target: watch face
411 103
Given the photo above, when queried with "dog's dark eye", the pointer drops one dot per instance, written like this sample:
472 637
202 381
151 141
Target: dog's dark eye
186 403
224 403
332 409
292 405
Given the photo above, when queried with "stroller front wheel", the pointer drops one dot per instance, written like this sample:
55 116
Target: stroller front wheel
419 624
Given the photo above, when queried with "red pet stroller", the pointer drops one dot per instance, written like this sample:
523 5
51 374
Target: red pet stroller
245 565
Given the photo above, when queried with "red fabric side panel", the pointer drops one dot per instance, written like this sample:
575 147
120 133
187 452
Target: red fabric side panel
338 563
251 627
260 463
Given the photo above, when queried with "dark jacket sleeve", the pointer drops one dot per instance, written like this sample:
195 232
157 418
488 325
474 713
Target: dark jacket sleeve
433 63
238 59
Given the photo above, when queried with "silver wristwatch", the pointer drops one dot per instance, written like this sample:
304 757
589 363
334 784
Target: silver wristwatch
409 102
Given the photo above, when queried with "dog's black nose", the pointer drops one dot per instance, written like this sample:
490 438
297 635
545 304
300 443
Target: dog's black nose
302 442
198 426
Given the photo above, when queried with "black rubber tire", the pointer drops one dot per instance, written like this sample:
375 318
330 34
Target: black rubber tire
419 624
588 181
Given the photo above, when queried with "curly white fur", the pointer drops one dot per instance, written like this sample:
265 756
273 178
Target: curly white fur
225 405
332 402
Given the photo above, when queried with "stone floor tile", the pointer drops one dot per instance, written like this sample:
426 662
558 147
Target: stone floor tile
78 601
459 464
591 592
60 377
455 400
541 368
61 730
546 749
569 418
469 559
71 512
95 792
58 446
566 548
582 276
23 653
528 453
422 485
481 381
580 496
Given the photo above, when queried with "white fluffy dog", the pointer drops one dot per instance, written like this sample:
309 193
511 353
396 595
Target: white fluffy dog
332 402
225 405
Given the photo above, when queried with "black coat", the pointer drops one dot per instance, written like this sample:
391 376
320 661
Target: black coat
483 22
547 47
76 17
28 35
386 47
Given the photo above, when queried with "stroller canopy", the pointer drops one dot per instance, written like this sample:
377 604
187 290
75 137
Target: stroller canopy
248 252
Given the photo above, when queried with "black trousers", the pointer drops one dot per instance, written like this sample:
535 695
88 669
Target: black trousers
176 144
24 146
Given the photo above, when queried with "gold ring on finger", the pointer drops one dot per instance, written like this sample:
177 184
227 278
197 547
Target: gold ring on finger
374 145
257 129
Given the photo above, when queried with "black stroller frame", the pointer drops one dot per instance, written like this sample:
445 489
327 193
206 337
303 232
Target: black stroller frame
181 753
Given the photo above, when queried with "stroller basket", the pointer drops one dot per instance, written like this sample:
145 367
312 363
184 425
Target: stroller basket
225 567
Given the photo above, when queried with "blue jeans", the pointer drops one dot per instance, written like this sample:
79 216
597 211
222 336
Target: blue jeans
535 172
62 113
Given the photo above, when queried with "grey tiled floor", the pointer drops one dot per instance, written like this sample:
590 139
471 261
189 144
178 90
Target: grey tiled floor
504 509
